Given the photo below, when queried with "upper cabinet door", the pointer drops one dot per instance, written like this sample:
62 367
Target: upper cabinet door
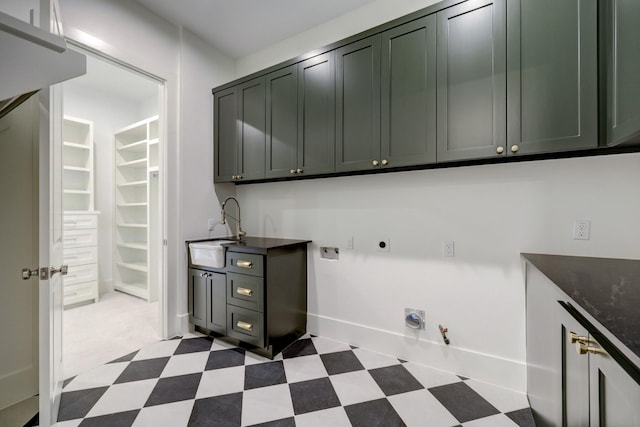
621 56
471 80
552 75
251 147
316 115
408 98
225 136
358 105
282 122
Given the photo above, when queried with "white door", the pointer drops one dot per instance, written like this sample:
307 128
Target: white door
18 249
50 245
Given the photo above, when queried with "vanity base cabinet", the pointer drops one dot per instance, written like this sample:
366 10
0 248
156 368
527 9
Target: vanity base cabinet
207 300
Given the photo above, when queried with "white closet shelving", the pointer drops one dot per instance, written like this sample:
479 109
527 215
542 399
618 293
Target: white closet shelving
136 161
80 237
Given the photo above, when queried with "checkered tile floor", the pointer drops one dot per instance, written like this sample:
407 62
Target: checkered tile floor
201 381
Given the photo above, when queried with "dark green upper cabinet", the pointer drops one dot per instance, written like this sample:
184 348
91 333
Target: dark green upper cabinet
301 118
552 76
358 105
316 115
282 122
408 94
620 53
225 134
239 132
471 80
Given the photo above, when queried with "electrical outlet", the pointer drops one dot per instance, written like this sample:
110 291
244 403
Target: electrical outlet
384 245
348 244
211 224
581 230
448 249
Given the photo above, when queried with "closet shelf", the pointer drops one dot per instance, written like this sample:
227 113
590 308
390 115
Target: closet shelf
133 184
131 205
136 289
139 163
84 192
130 225
153 141
75 145
139 146
154 169
137 266
76 169
140 246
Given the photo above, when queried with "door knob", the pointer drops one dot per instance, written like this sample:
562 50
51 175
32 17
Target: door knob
63 270
27 273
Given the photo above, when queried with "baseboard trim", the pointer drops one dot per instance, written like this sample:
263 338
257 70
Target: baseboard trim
183 322
503 372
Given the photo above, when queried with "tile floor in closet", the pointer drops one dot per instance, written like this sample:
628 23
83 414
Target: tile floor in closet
201 381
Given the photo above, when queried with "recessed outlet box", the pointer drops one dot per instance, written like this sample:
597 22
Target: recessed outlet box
448 249
383 245
581 230
329 253
414 318
211 224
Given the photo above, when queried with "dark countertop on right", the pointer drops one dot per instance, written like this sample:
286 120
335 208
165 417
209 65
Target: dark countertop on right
606 288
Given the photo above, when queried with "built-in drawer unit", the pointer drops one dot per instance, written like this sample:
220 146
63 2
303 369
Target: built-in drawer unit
245 291
245 325
76 238
79 292
243 263
77 222
80 253
80 256
80 273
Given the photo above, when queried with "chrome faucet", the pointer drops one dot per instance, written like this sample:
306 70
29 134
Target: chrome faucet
239 231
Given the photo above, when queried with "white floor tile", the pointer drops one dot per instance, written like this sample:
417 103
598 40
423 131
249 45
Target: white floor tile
123 397
304 368
355 387
324 345
430 377
334 417
266 404
499 420
157 349
100 376
503 399
171 414
188 363
373 360
221 381
419 408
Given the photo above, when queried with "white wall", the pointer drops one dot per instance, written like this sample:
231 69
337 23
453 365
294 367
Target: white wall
492 213
133 34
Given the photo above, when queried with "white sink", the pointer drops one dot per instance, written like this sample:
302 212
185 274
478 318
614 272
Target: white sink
208 254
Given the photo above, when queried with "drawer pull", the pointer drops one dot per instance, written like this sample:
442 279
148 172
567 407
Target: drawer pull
244 264
244 325
244 291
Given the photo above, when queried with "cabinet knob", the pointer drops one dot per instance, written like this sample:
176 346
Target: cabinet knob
375 163
500 150
385 162
514 148
292 171
204 274
239 176
299 170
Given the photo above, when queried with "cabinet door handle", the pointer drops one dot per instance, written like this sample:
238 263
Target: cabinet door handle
244 291
584 349
244 325
244 264
204 274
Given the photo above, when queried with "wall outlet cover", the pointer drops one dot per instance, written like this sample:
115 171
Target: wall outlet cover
329 253
581 230
448 249
211 224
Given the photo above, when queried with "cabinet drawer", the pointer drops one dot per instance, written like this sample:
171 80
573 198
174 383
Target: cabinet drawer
80 256
81 274
80 292
78 222
238 262
79 238
245 291
245 325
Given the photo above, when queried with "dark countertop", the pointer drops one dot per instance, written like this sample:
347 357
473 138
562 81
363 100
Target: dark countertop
608 289
254 244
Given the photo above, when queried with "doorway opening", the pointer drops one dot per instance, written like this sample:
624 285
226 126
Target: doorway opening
113 206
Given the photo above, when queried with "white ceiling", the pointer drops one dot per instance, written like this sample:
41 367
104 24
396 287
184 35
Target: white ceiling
240 27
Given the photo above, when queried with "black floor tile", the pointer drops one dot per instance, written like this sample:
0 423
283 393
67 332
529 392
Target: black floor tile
219 411
285 422
143 370
374 413
341 362
463 402
67 381
303 347
129 357
77 404
264 374
119 419
174 389
402 361
225 359
194 345
395 380
34 421
462 378
313 395
522 417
